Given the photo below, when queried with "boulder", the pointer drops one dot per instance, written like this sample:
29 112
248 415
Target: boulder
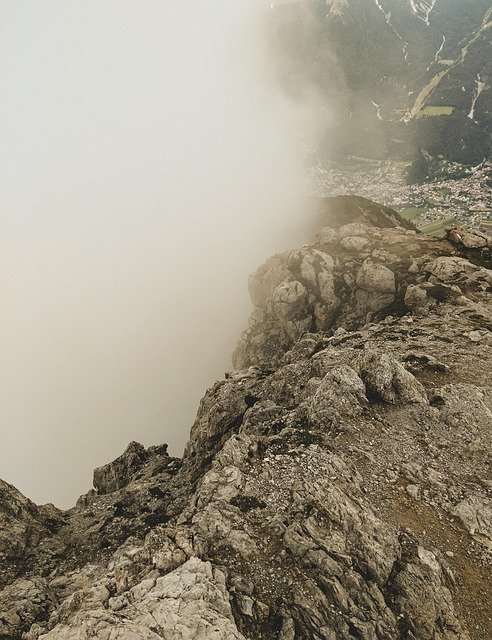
476 514
353 243
340 394
376 278
387 380
451 269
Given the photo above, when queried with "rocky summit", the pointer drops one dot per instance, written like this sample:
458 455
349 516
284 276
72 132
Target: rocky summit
336 484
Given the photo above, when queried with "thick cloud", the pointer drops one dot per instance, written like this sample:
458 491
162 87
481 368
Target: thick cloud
147 167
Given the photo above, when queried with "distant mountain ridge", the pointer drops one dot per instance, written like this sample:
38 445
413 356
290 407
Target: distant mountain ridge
396 74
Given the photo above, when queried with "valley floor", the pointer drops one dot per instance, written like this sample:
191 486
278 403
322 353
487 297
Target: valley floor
432 207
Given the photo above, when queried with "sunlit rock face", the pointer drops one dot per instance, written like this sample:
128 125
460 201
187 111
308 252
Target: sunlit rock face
335 484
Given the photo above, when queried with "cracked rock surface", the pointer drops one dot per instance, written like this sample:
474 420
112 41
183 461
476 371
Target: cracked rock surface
336 484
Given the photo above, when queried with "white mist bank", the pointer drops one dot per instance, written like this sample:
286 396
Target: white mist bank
147 167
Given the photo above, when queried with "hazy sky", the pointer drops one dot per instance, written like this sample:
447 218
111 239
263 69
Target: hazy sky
146 167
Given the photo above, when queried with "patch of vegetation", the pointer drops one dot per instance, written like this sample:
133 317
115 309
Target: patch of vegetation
436 111
410 213
438 228
422 168
455 137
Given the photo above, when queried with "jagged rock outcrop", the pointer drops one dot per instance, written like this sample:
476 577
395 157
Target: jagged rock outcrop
24 529
117 474
356 272
337 489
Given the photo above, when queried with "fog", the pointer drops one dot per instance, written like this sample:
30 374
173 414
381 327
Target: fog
147 165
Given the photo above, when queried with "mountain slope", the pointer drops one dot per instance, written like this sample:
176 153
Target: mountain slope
336 488
387 67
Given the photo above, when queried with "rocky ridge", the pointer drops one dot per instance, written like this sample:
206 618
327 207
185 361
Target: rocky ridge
336 484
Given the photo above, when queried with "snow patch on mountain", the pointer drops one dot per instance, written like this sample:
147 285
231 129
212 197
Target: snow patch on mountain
423 8
479 87
387 15
378 107
438 53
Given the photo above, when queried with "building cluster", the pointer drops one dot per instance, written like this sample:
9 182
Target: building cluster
464 197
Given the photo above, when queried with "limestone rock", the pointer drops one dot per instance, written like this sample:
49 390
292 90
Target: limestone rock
353 243
186 604
326 235
451 269
24 603
341 393
376 278
267 278
118 473
387 380
476 514
335 484
415 297
354 229
221 411
364 267
469 238
23 526
474 239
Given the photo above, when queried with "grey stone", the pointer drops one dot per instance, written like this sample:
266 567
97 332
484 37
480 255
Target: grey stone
341 393
289 514
386 379
375 277
353 243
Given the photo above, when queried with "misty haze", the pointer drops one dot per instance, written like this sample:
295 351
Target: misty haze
245 320
147 169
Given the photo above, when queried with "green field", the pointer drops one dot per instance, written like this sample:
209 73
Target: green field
436 111
410 213
447 63
438 228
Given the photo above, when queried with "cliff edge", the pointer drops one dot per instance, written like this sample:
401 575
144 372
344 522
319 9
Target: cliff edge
336 484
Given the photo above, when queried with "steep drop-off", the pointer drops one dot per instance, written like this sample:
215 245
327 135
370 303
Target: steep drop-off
335 485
